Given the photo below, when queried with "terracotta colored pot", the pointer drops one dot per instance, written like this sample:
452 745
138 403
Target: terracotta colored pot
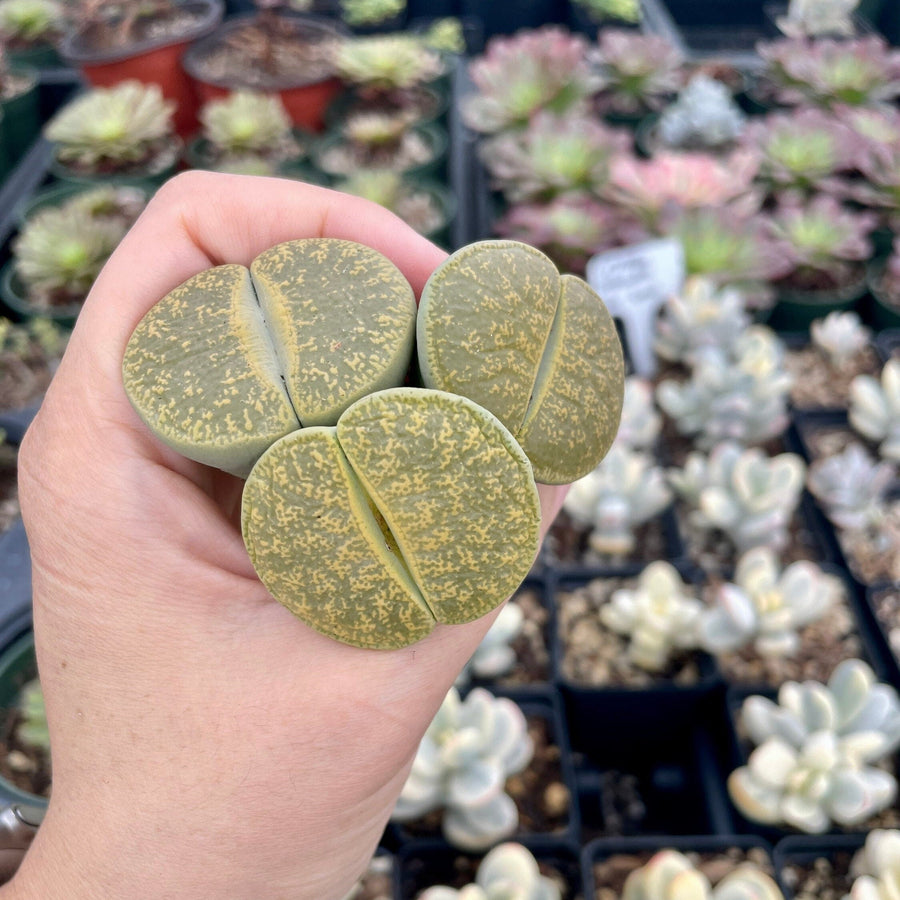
154 61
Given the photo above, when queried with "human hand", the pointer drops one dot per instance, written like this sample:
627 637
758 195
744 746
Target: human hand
206 743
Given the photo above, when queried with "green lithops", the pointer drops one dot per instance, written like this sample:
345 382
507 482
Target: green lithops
498 324
234 359
418 507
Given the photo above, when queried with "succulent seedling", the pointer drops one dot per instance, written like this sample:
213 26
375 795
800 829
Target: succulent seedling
497 323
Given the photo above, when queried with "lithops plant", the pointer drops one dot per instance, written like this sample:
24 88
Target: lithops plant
498 324
670 875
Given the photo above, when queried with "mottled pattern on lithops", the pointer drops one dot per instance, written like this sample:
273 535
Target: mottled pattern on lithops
419 507
201 372
319 548
343 320
456 491
498 324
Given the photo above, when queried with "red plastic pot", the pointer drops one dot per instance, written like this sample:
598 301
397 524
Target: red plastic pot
153 61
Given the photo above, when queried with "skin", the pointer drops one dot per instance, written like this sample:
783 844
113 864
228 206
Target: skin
206 744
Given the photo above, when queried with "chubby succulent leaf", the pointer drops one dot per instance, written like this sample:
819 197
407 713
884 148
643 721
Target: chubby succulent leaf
498 324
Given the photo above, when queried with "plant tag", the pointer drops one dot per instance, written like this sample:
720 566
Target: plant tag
634 282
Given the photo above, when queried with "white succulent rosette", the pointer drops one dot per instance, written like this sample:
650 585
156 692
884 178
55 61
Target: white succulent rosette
495 656
875 409
878 867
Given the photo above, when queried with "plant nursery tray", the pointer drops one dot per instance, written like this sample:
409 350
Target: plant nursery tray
799 852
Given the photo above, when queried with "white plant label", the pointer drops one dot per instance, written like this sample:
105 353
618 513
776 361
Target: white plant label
634 282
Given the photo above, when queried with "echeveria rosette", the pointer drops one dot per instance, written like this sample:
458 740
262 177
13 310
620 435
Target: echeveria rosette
555 154
25 23
875 409
806 150
826 242
499 324
877 867
387 62
638 72
818 18
249 122
826 72
879 188
542 69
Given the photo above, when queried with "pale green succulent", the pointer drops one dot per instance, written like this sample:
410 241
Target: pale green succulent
670 875
702 314
840 337
445 35
60 251
875 409
467 753
738 393
659 617
815 18
125 124
246 122
766 606
742 492
494 656
32 727
508 872
370 12
626 490
387 62
375 129
705 115
877 867
621 10
30 21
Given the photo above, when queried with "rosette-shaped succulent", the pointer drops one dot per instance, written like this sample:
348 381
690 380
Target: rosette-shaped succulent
805 150
738 393
826 242
852 488
878 126
840 337
826 780
817 18
638 72
670 875
880 187
494 656
363 13
875 409
508 872
860 72
877 867
853 705
542 69
742 492
659 616
705 116
469 750
626 490
24 22
128 124
387 62
641 422
701 315
553 155
765 606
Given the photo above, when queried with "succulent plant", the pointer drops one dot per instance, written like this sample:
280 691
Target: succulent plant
114 128
569 229
701 315
877 867
735 393
24 22
818 18
60 251
803 150
840 337
616 10
705 115
645 188
852 488
879 189
508 871
825 781
640 424
742 492
638 72
824 72
765 606
626 490
32 727
827 243
659 617
853 705
261 368
359 13
495 656
468 751
387 62
445 35
878 126
542 69
670 875
875 409
554 154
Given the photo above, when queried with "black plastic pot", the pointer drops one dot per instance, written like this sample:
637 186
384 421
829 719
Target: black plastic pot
794 310
15 298
885 313
802 851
